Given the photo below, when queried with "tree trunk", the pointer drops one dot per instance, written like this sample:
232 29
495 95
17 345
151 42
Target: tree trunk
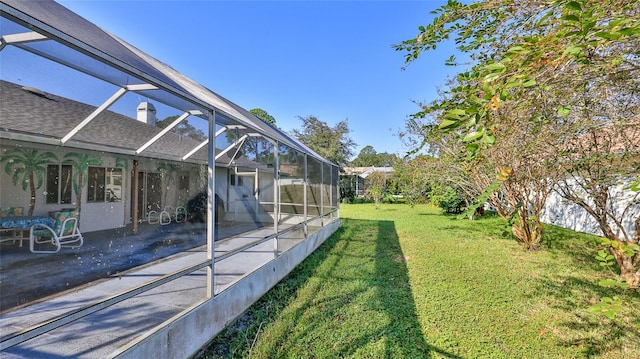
32 188
528 231
628 270
632 278
79 193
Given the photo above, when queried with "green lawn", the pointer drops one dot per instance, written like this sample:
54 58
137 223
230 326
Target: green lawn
407 282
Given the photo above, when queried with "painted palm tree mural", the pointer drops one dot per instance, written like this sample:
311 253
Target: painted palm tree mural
28 167
168 171
81 163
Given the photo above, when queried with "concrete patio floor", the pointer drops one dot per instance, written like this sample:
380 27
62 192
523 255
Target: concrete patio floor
27 277
101 334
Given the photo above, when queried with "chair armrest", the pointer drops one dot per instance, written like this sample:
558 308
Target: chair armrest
41 227
42 230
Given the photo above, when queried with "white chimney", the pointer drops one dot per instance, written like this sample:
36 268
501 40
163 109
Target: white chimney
147 113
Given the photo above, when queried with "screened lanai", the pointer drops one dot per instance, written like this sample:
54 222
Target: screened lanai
153 166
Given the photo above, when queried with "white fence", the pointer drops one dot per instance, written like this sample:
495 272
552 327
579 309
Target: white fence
560 212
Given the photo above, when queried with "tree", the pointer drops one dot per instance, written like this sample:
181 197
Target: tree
28 167
264 116
599 164
369 157
81 163
575 63
184 128
515 175
366 157
376 187
415 179
333 144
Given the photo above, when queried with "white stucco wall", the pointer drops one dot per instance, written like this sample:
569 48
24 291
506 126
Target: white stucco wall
560 212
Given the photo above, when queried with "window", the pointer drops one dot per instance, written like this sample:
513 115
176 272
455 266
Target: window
58 187
235 180
104 185
183 182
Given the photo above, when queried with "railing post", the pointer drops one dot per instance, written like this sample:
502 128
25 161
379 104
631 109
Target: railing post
305 199
276 194
211 206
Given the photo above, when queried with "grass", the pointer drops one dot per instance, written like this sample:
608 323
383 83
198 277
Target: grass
404 282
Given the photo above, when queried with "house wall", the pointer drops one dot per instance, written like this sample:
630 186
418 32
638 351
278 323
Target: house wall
562 213
97 216
94 216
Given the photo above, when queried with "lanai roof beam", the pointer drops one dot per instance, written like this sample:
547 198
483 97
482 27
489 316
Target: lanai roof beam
21 38
167 129
121 91
236 143
204 143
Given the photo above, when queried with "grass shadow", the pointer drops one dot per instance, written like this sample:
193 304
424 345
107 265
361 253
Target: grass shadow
352 297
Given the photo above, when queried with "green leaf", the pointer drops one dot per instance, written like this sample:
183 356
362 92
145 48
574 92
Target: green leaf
512 84
564 111
451 61
517 50
489 139
529 83
447 124
574 5
495 67
571 17
473 136
473 147
630 31
573 50
488 91
472 121
608 35
455 114
491 77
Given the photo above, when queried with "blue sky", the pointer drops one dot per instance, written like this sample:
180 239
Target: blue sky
329 59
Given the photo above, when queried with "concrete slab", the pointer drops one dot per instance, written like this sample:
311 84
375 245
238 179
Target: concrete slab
106 332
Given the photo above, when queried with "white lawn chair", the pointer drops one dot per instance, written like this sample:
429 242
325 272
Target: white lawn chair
65 233
181 214
163 217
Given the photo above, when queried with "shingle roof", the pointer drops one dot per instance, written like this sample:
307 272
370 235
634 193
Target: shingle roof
48 116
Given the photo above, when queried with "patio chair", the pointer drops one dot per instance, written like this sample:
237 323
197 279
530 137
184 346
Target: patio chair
14 235
64 233
163 217
11 211
181 214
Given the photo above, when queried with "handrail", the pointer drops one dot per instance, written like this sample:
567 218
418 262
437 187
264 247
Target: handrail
260 241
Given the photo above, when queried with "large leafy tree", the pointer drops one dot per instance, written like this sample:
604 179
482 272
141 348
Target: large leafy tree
573 65
28 167
414 178
368 156
332 143
184 128
264 116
